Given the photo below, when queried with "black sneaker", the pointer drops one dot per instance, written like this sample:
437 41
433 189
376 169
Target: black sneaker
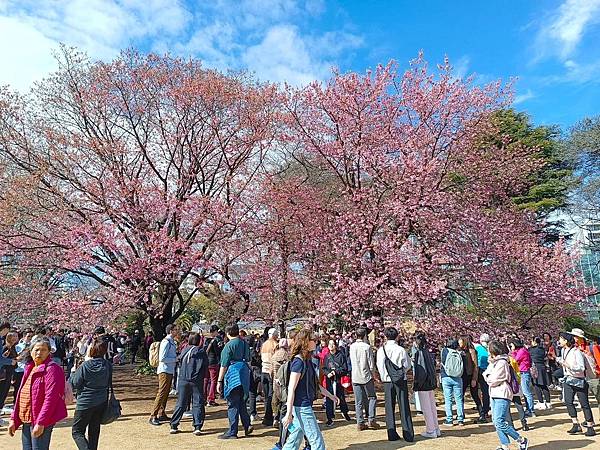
197 431
524 444
154 421
329 423
590 431
164 418
248 431
524 425
173 431
347 417
227 436
574 429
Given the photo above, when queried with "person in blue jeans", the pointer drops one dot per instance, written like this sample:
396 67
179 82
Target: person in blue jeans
498 376
235 369
303 384
452 385
523 358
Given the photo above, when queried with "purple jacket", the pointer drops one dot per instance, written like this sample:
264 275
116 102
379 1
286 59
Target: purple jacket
522 357
47 394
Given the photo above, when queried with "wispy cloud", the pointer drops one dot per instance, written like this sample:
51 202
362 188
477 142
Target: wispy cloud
266 37
561 32
520 98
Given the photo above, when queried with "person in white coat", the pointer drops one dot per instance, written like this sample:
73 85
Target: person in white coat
392 363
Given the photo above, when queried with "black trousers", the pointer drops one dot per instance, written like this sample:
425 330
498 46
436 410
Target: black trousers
398 393
87 418
339 392
542 393
186 392
251 402
267 385
134 351
473 390
584 401
485 394
5 385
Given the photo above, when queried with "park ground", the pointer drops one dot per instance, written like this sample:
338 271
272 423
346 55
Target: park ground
132 431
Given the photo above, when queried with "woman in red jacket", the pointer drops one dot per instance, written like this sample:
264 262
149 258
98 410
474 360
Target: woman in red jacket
40 400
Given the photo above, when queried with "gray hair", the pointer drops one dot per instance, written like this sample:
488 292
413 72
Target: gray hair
41 340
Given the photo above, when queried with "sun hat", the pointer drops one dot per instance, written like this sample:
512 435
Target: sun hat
577 332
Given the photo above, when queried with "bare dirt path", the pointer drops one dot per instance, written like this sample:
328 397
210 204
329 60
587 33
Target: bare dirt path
132 431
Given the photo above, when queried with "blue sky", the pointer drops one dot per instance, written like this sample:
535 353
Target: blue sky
551 46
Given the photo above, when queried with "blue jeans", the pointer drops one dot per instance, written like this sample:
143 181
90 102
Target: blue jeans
236 409
527 388
39 443
305 423
502 421
453 387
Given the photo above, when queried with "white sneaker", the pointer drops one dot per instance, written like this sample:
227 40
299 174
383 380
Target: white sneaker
7 410
539 406
173 393
548 405
187 414
427 434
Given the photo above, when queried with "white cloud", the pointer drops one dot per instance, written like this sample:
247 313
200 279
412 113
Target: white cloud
269 37
460 68
528 95
561 33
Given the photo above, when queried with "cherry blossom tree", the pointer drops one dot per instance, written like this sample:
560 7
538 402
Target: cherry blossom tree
137 175
412 179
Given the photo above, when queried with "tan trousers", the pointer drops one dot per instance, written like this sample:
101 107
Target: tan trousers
160 402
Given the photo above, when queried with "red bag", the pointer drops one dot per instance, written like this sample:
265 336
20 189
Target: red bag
346 383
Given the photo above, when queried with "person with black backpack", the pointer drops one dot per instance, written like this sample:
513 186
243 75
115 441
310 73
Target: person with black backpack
213 348
424 384
392 363
451 374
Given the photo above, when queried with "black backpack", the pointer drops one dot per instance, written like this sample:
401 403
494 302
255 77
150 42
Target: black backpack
395 373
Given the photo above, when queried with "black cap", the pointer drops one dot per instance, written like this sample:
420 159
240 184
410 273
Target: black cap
99 330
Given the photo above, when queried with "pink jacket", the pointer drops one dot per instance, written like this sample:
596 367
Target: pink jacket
522 357
47 394
497 376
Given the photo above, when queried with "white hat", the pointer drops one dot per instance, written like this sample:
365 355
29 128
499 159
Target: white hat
273 332
577 332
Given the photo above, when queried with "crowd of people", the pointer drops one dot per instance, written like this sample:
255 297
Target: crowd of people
292 372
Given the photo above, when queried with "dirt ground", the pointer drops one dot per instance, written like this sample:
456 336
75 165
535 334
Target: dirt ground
132 431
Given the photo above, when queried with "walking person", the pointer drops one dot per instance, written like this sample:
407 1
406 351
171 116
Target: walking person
40 403
498 376
523 358
234 382
303 385
539 374
280 357
266 354
482 364
148 340
193 368
167 359
471 370
214 346
517 392
90 385
573 364
135 344
451 373
362 362
550 347
335 367
392 363
424 384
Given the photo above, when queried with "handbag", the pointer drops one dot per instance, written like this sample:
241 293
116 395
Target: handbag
534 372
113 406
575 382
